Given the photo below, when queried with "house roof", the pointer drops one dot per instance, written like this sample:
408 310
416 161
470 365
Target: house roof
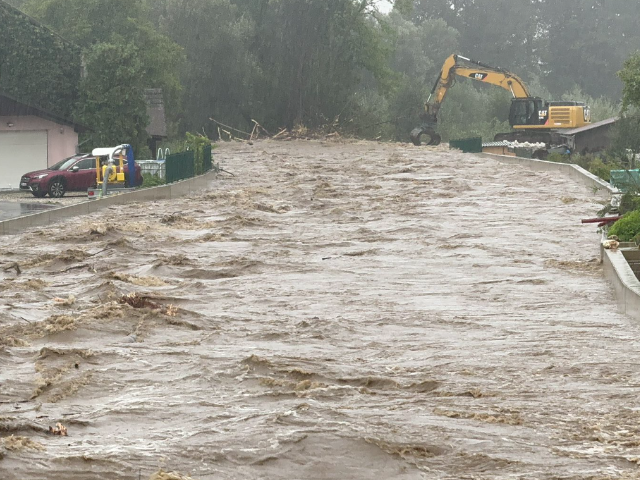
591 126
12 106
155 110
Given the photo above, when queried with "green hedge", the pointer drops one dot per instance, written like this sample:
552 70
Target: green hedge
37 66
627 227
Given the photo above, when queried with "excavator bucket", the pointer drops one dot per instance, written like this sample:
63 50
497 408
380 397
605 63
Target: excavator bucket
416 133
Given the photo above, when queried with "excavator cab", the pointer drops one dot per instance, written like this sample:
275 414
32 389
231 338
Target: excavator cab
528 111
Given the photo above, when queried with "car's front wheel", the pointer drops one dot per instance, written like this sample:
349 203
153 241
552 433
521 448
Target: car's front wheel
56 188
38 194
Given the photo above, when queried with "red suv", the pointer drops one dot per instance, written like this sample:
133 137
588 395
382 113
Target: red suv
73 174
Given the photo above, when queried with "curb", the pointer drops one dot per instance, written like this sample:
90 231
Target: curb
617 269
173 190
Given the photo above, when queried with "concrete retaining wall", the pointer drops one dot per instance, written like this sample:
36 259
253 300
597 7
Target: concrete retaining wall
163 192
618 271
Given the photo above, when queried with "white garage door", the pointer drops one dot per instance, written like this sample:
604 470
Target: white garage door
21 152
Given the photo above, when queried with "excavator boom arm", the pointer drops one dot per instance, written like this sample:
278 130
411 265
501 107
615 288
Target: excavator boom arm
457 65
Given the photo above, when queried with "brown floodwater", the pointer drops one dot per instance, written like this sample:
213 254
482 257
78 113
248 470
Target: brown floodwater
337 310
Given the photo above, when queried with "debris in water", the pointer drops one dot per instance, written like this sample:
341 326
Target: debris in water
15 444
407 450
15 266
508 418
35 284
59 430
592 266
173 218
176 260
99 229
65 302
138 301
142 281
10 341
162 475
133 338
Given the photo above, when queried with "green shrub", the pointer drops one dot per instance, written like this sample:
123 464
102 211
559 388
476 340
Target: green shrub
197 143
598 168
629 202
627 227
558 158
150 180
599 164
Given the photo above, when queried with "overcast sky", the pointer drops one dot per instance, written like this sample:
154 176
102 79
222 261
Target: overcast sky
384 6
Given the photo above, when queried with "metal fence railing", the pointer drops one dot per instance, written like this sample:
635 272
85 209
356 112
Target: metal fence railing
206 158
179 166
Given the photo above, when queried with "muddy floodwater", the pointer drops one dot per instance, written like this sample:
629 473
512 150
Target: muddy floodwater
334 311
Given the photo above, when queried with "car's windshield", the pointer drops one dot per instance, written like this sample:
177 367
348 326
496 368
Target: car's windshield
64 164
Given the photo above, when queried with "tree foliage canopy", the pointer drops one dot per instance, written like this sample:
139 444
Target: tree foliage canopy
316 62
111 98
630 75
105 29
36 65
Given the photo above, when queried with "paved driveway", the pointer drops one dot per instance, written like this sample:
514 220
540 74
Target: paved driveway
9 210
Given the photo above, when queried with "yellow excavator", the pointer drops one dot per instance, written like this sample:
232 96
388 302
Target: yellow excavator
533 119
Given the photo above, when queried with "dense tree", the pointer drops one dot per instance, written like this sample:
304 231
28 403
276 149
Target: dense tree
585 42
630 75
569 42
627 131
222 73
36 65
280 62
496 32
93 24
16 3
312 62
314 59
111 96
88 22
417 55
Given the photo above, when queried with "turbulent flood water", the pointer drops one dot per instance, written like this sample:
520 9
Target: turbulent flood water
334 311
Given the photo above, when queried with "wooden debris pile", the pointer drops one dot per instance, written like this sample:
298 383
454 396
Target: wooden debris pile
136 300
298 132
59 430
162 475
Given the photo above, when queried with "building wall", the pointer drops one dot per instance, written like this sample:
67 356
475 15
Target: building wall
62 140
593 140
